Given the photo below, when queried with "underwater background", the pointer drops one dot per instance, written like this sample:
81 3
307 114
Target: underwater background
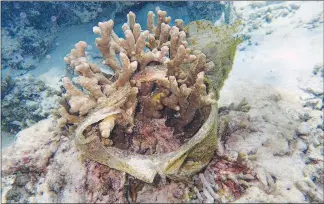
277 70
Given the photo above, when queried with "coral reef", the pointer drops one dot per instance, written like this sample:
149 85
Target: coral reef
6 85
44 155
156 76
23 45
162 80
273 130
25 101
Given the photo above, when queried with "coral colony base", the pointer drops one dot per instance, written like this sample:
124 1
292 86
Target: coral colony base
158 87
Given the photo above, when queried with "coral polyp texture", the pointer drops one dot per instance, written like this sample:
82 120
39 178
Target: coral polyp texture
159 88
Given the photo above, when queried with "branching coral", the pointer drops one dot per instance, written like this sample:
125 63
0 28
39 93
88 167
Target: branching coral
159 85
167 76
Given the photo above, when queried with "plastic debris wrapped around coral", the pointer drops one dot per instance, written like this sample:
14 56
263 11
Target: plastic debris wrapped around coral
156 76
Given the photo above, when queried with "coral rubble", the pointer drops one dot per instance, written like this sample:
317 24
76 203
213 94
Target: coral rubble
224 180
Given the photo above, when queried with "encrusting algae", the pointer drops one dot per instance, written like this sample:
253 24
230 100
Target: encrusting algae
162 96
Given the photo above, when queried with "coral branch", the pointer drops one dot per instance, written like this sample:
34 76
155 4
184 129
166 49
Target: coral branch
107 125
182 56
131 20
151 105
179 23
161 19
91 84
108 44
150 21
78 102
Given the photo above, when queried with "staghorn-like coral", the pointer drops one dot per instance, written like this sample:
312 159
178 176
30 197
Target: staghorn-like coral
158 73
159 86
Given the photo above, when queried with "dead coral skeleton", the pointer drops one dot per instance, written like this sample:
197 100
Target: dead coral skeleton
155 67
225 180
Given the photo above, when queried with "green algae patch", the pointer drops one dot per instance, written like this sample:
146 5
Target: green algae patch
219 44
